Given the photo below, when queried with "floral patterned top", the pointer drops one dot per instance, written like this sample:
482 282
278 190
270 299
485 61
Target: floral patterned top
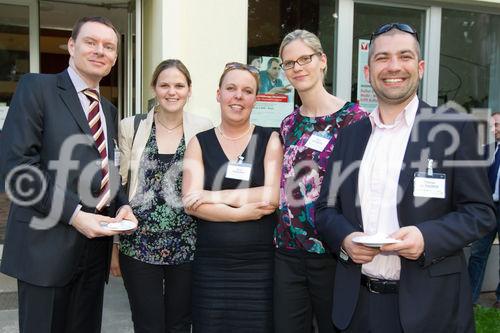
165 234
302 175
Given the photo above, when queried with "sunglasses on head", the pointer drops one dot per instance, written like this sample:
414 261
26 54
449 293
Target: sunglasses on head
389 26
238 65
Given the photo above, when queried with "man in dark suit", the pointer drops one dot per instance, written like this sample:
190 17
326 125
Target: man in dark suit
408 175
480 249
58 162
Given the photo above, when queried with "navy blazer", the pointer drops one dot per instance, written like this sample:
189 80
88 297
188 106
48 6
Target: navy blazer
44 116
434 294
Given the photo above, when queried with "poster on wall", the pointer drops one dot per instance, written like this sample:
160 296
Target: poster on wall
3 114
275 96
365 94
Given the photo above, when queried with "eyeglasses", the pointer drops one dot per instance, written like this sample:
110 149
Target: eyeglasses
304 60
238 65
389 26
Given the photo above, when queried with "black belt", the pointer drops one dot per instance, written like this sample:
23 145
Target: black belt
379 286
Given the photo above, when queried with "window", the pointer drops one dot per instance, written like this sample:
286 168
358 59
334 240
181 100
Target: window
469 71
14 53
369 17
270 20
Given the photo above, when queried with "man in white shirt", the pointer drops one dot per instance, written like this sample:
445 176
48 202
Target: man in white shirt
405 192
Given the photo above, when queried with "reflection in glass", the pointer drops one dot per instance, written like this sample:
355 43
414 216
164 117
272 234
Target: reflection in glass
270 20
56 22
469 72
14 48
368 17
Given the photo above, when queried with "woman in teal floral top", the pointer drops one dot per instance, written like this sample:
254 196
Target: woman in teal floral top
156 259
304 268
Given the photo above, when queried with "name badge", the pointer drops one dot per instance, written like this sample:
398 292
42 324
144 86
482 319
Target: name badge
318 140
427 185
239 170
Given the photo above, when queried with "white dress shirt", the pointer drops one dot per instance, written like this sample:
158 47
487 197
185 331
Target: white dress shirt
378 184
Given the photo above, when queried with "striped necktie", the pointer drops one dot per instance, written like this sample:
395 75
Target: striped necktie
97 131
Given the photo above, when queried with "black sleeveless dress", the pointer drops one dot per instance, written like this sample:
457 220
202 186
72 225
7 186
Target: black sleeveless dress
233 265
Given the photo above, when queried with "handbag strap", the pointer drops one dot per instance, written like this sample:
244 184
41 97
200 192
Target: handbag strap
137 120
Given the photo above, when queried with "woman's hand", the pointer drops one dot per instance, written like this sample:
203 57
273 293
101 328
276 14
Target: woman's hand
255 210
194 199
115 262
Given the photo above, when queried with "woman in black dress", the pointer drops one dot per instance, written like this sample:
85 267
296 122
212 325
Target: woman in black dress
231 184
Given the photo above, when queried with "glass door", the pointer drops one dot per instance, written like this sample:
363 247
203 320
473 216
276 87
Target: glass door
56 22
18 52
367 17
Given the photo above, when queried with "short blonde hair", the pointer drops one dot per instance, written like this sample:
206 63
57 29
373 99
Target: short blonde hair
307 38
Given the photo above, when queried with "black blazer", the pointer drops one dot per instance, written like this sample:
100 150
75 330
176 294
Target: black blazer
44 116
434 294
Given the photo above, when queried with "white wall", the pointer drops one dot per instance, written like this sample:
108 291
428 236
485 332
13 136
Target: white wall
152 44
205 35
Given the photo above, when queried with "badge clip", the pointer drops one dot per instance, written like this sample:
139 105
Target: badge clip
430 172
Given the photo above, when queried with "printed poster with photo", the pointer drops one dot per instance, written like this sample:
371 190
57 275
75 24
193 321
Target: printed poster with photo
365 94
276 94
3 114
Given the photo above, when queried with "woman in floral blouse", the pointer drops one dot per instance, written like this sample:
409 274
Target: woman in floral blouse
156 259
304 267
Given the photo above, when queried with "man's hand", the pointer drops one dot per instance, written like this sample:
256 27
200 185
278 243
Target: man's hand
89 224
412 245
359 253
125 213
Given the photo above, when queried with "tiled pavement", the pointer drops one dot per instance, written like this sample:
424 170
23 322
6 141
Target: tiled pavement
116 313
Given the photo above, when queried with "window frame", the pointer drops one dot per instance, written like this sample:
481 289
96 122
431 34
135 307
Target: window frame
34 31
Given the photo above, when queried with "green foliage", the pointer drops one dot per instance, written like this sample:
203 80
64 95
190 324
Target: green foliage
487 319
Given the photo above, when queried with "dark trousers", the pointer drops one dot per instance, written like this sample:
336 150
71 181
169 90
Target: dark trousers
303 288
375 313
479 253
76 307
159 295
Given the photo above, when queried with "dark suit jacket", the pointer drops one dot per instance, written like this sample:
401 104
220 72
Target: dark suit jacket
44 113
434 294
489 151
